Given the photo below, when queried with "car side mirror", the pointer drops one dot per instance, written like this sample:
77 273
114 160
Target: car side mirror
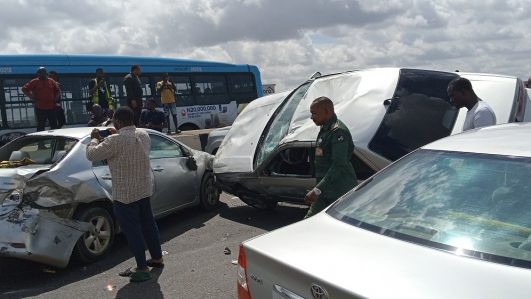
191 163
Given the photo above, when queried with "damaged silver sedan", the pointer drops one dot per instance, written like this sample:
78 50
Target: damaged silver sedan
54 203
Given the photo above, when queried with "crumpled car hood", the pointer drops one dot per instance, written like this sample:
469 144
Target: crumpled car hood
12 179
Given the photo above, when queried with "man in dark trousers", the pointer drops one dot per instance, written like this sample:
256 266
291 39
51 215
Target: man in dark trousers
132 187
133 88
44 92
334 173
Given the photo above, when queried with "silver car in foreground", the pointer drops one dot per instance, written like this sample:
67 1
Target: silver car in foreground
54 202
450 220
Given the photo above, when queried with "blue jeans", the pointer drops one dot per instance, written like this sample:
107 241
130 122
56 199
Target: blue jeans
171 109
140 229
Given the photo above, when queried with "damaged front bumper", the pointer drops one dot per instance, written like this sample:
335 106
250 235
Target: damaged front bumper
39 235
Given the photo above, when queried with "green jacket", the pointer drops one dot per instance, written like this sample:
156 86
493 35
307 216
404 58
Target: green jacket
333 171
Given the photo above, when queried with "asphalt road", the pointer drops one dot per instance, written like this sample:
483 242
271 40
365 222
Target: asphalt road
196 264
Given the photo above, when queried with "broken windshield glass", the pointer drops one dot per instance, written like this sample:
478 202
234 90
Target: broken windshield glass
279 124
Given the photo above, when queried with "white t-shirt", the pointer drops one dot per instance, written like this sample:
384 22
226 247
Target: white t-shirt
481 115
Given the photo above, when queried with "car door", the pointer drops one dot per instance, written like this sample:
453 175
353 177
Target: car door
175 183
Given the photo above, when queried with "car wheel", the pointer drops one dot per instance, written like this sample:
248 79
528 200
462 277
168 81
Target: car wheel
260 204
209 192
188 127
94 245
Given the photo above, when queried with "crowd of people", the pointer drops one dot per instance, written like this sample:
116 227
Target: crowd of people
45 92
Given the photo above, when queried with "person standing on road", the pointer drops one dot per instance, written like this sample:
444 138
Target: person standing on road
167 89
44 92
100 94
334 173
132 187
59 111
479 114
133 88
151 118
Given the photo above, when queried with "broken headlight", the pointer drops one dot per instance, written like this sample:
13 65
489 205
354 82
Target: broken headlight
13 199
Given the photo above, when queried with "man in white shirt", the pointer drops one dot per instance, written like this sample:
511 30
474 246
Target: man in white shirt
479 114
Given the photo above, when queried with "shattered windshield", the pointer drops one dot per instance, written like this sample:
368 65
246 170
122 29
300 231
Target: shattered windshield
279 124
34 150
469 204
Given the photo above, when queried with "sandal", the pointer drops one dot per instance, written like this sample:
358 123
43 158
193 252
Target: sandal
140 276
128 272
151 263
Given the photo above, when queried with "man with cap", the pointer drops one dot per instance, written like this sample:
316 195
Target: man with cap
44 92
334 173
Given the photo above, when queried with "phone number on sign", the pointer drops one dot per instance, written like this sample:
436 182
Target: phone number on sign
201 109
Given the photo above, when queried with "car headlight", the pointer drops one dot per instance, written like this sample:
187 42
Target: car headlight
13 199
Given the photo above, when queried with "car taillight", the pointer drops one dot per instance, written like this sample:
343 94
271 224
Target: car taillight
243 287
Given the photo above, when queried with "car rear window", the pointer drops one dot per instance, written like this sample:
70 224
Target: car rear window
419 113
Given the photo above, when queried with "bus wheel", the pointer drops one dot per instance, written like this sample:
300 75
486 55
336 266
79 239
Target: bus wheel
188 127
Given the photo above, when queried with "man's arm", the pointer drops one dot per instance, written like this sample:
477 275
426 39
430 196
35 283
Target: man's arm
97 151
340 158
159 87
128 83
26 89
57 91
484 118
93 87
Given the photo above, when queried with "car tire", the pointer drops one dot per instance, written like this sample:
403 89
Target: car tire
209 192
94 245
188 127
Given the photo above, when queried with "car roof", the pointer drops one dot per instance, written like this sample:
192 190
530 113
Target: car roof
508 140
77 132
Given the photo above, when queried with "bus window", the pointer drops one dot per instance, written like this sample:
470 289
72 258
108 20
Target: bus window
242 88
184 90
211 90
20 111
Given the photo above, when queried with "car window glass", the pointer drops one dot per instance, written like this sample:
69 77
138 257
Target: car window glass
164 148
419 113
279 124
461 201
38 149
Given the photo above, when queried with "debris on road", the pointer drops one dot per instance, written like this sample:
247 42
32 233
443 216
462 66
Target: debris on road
227 251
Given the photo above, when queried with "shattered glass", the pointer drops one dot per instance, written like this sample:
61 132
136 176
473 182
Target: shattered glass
279 124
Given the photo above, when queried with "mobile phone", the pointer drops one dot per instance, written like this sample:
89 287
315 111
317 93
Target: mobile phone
104 133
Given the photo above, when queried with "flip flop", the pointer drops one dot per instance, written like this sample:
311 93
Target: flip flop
128 272
151 263
140 276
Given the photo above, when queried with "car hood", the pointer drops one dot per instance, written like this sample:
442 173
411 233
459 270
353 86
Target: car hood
236 152
350 261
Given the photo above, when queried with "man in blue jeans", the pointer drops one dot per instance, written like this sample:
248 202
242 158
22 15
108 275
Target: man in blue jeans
132 186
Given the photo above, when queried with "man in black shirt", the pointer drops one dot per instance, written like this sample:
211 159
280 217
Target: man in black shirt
133 88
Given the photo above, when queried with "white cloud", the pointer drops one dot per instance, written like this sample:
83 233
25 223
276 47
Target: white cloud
288 40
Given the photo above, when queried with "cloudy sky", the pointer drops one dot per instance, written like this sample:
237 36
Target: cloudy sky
287 39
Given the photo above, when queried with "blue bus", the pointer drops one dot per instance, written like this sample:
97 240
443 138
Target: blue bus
208 93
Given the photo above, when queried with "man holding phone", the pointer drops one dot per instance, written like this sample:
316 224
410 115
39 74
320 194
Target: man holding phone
132 187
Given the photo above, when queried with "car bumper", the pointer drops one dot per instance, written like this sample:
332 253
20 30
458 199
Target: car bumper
39 236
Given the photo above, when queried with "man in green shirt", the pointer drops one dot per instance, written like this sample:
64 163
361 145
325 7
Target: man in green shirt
334 173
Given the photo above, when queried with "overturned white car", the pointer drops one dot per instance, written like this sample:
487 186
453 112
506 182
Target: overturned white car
267 156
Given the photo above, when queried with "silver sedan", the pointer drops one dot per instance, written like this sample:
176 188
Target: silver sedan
55 203
451 220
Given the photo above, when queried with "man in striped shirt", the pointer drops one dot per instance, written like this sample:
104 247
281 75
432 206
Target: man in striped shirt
132 186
